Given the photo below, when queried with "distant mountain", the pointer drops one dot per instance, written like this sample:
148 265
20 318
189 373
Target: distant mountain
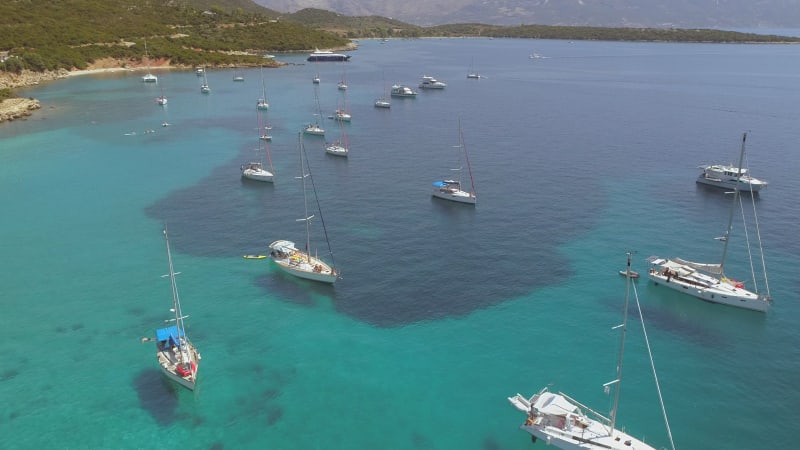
727 14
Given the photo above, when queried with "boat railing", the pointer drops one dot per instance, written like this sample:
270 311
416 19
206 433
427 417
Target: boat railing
599 416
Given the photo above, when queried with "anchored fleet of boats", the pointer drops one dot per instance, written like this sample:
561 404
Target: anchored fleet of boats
555 418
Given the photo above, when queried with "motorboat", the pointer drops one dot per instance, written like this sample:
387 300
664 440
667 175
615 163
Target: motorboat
431 83
382 103
399 90
729 177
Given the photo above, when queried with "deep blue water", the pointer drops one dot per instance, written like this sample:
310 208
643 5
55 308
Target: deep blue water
443 309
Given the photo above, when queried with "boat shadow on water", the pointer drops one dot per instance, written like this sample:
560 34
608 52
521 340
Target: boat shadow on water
684 316
294 290
157 396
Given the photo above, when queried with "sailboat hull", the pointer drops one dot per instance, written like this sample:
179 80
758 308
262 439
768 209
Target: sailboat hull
314 131
168 360
305 272
455 196
336 150
300 264
561 422
255 171
710 289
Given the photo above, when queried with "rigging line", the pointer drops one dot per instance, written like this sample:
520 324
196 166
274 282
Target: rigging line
319 209
653 366
466 155
760 247
749 249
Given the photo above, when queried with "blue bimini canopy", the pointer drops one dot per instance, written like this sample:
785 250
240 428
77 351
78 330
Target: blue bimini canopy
164 334
439 184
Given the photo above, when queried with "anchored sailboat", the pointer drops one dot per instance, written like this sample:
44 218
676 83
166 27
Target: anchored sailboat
286 255
339 147
262 102
148 77
567 424
315 129
177 356
708 281
204 87
255 170
451 189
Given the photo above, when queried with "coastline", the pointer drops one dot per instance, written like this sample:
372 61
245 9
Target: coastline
17 108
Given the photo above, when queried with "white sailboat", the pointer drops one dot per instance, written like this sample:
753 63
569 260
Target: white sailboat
451 189
262 102
162 99
708 281
286 255
342 114
472 74
255 170
339 147
342 84
383 100
238 75
177 356
148 77
204 87
565 423
315 129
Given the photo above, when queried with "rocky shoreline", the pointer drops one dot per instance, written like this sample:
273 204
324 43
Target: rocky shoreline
19 108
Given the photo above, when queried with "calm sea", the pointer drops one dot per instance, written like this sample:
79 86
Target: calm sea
443 310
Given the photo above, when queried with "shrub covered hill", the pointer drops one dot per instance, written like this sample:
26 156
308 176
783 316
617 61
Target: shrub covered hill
48 36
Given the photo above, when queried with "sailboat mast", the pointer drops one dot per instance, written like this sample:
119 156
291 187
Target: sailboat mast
733 206
305 198
466 156
176 304
624 327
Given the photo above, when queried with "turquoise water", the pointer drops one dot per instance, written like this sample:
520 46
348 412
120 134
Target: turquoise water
443 310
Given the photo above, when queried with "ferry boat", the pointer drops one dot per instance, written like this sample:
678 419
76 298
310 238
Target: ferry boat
327 55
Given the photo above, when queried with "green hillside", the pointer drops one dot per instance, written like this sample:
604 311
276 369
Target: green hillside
45 35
